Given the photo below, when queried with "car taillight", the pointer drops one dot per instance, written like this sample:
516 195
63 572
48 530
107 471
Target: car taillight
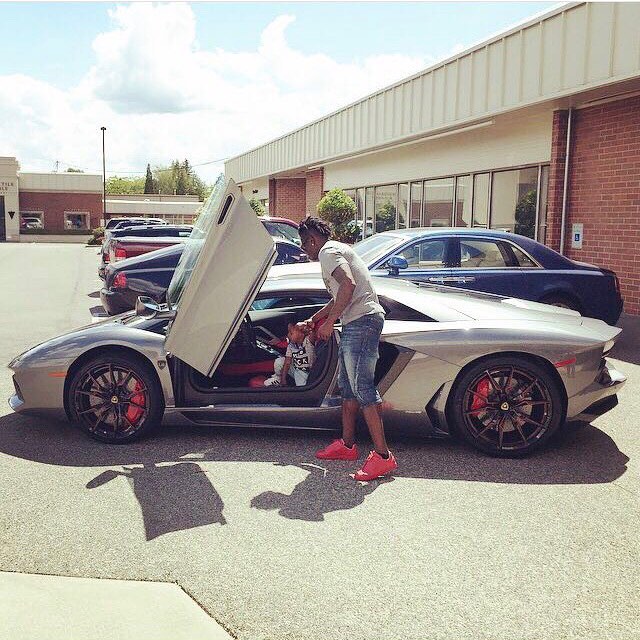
615 278
105 257
120 281
120 254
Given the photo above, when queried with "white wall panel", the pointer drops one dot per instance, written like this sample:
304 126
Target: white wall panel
570 49
509 142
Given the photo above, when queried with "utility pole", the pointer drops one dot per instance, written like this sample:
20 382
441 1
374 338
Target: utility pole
104 181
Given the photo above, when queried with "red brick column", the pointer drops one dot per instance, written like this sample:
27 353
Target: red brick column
604 188
287 198
556 178
314 190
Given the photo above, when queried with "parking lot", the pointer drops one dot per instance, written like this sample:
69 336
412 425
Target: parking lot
274 545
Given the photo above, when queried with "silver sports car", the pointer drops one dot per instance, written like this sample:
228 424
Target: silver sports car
502 373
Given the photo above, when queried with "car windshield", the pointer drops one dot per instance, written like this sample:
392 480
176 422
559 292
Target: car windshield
194 243
376 246
282 230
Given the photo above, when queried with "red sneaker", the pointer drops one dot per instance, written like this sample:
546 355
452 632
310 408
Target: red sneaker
338 450
375 466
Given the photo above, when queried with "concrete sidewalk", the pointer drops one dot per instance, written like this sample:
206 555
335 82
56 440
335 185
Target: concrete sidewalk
52 607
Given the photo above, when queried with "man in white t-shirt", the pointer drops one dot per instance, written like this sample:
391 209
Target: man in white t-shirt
355 302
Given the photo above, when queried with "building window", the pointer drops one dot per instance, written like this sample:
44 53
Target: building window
462 210
76 220
369 209
360 212
438 202
31 220
513 201
403 205
415 215
386 207
542 204
481 199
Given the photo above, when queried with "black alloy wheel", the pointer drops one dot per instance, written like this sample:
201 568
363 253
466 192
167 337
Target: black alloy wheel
506 407
115 399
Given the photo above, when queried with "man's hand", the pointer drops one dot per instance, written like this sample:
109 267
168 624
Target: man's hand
325 330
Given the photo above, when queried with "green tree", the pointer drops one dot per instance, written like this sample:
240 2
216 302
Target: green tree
179 178
125 186
337 208
149 185
257 206
72 170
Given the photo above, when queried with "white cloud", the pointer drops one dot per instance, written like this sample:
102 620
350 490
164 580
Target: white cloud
162 97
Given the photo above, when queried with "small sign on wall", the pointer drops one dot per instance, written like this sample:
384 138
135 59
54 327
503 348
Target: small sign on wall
577 230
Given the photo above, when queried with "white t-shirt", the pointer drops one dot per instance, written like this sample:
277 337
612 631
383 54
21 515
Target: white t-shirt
365 300
302 355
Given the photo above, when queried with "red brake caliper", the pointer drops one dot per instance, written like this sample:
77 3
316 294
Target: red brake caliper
482 389
135 413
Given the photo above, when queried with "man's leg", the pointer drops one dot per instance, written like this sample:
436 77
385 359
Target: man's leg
350 408
373 417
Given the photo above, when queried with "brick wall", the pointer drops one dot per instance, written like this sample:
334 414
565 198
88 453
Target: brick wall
314 190
55 204
604 190
287 198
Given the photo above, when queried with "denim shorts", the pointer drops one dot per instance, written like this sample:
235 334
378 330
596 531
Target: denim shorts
358 355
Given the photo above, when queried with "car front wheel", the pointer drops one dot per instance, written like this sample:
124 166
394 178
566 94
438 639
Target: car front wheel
506 406
115 398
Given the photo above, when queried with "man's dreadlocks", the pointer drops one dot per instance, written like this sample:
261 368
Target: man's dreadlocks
315 225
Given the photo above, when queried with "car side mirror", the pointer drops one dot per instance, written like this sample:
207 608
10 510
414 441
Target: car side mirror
395 263
148 308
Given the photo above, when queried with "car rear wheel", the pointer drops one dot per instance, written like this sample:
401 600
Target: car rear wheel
115 398
562 301
506 406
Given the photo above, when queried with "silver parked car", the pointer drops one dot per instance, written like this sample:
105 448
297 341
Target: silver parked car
503 373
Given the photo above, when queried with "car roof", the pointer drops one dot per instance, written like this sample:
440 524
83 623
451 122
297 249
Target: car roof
278 219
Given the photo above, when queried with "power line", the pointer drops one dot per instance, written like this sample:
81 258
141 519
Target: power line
76 165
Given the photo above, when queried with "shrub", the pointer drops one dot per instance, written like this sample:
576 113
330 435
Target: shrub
337 208
257 206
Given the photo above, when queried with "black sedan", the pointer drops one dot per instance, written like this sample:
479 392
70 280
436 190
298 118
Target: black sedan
150 274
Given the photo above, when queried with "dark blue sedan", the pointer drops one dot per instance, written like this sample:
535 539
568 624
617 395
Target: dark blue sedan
495 262
150 274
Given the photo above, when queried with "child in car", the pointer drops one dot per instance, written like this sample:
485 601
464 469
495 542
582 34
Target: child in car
297 361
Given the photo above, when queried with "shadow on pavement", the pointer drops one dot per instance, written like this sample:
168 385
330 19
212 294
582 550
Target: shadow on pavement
166 475
93 294
627 349
163 490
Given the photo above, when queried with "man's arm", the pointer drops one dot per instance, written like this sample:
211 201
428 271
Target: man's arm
346 287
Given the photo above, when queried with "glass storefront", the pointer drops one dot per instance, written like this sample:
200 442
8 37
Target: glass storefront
462 216
438 202
514 197
513 200
386 206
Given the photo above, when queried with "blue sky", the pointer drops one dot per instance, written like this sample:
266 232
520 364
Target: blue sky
122 64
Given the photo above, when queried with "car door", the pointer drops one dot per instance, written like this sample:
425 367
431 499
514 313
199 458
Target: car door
428 260
223 266
483 264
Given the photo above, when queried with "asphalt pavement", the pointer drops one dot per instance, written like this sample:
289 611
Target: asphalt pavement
274 545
